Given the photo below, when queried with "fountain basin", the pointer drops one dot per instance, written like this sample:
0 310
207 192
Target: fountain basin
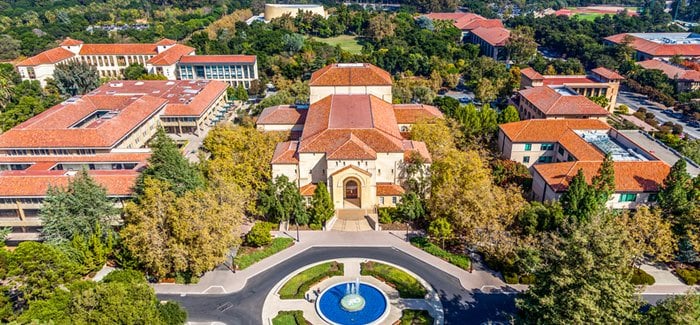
373 308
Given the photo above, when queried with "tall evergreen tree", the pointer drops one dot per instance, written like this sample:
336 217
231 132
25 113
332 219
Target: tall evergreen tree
168 164
281 201
410 207
604 182
676 191
579 200
82 208
322 207
584 278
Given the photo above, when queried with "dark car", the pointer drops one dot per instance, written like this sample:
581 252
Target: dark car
694 124
685 118
465 100
443 91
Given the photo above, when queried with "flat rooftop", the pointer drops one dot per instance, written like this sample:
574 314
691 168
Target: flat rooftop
670 38
659 150
603 142
564 91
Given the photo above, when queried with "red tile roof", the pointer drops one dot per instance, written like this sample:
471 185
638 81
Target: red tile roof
563 80
465 20
350 74
552 103
184 97
282 115
70 42
496 36
138 157
308 189
118 183
531 74
389 189
286 153
413 113
410 147
118 49
51 56
671 71
537 130
171 55
352 148
656 49
53 128
219 59
630 176
166 42
607 73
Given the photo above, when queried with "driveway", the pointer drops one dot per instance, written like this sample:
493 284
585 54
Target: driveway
634 101
461 306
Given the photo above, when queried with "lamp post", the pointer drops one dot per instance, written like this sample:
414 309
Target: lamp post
407 228
297 224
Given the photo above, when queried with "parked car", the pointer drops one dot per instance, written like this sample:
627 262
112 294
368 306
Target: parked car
694 124
443 91
465 100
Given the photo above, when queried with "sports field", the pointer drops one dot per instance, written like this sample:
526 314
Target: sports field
346 42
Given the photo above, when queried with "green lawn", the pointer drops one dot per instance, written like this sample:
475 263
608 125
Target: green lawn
302 282
456 259
248 256
346 42
404 283
415 317
588 16
293 317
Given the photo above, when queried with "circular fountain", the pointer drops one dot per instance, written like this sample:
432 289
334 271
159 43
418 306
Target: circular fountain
352 303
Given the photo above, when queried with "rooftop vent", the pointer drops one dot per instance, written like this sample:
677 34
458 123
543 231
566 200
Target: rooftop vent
139 83
110 92
71 173
156 91
170 83
350 65
117 85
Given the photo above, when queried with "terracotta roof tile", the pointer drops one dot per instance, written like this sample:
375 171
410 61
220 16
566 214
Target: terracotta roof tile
552 103
70 42
531 74
630 176
308 189
171 55
413 113
548 130
119 49
282 115
350 74
465 20
670 70
286 153
166 42
219 59
412 147
352 148
607 73
657 49
51 56
35 184
389 189
496 36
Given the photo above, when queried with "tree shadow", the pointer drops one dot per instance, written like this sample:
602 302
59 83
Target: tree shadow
478 307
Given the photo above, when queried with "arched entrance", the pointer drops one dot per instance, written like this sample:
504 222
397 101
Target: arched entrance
351 193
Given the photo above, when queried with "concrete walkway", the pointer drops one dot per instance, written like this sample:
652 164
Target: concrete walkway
224 281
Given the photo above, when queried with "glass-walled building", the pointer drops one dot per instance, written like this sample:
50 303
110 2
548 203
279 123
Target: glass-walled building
232 69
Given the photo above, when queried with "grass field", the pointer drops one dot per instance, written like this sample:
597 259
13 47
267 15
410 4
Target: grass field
404 283
346 42
293 317
248 256
588 16
299 284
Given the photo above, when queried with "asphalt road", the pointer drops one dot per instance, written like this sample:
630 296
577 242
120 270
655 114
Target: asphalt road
635 100
245 307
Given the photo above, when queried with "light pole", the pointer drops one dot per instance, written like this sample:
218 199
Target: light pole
297 224
407 227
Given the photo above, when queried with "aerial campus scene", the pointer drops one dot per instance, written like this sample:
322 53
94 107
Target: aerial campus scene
328 162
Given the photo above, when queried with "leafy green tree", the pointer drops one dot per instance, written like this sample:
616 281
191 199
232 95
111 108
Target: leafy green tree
281 200
540 217
604 181
9 47
76 78
411 207
509 114
82 208
322 208
90 253
521 45
168 164
293 43
602 101
259 235
679 309
440 229
134 71
676 191
36 269
579 201
241 93
584 278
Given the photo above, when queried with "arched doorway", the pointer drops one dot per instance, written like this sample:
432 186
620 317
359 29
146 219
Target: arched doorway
351 193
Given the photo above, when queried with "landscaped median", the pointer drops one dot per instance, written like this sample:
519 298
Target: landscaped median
404 283
415 317
298 285
248 256
423 243
292 317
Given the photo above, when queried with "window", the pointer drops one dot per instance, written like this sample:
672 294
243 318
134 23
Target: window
561 151
528 146
653 197
393 199
381 200
526 160
628 197
547 146
545 159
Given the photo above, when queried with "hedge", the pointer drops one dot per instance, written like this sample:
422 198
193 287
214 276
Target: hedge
639 277
690 276
298 285
461 261
415 317
290 317
404 283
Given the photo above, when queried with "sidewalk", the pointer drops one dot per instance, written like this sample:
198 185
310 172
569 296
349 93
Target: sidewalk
224 281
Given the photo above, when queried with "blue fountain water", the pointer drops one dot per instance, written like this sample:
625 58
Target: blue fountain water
330 308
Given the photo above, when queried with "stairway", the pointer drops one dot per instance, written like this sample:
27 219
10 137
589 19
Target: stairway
351 220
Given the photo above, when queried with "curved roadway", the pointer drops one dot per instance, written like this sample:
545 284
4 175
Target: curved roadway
245 307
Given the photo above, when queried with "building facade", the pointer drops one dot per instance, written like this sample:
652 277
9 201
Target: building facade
350 139
235 70
556 102
659 45
686 79
554 151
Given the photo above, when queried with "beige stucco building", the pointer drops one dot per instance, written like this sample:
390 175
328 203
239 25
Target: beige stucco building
349 139
273 11
554 151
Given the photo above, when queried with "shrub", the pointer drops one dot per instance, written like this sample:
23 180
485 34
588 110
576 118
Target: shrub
172 313
623 109
510 278
415 317
248 256
639 277
259 235
125 276
690 275
290 317
527 279
387 214
461 261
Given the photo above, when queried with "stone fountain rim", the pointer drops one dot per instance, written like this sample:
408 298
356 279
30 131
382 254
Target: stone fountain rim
379 320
